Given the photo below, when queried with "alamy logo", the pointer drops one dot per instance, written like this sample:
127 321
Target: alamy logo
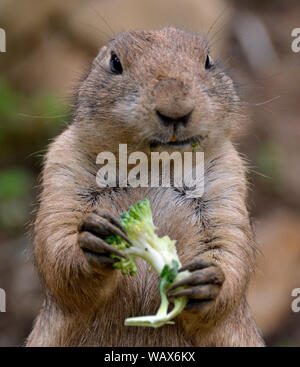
2 300
163 170
296 301
2 40
296 42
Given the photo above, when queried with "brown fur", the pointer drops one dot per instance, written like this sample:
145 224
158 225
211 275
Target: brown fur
85 305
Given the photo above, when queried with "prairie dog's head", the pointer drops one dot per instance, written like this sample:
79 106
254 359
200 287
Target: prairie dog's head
157 88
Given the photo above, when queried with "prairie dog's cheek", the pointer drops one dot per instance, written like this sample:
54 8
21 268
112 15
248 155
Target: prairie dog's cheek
132 110
125 111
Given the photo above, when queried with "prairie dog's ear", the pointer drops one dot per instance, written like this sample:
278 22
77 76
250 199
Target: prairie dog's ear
100 55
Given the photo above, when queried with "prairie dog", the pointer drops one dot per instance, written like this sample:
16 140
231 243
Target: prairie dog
146 88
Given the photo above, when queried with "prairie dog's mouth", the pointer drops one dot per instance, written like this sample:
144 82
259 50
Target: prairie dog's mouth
178 142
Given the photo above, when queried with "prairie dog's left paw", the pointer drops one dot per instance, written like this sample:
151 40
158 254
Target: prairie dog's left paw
204 284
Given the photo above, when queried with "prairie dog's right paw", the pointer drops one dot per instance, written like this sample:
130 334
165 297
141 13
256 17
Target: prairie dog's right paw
92 231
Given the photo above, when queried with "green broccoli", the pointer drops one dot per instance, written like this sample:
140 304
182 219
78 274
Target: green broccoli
160 253
195 147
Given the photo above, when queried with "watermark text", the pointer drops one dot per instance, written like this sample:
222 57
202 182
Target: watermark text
177 169
296 301
2 40
2 300
296 42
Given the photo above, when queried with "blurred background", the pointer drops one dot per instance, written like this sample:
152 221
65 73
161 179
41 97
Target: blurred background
51 43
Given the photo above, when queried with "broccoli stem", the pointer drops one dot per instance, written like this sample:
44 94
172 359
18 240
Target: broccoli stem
162 316
149 254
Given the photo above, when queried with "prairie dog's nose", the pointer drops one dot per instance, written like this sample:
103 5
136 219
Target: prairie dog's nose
167 120
173 102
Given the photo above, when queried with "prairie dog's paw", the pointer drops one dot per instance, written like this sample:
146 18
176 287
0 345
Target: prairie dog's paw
204 284
92 231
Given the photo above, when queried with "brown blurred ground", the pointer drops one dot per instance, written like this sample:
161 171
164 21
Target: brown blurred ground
51 43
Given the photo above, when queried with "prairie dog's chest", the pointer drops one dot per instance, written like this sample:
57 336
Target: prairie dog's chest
173 214
163 200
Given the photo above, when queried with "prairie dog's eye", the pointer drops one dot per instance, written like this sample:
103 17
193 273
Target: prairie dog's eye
115 64
208 62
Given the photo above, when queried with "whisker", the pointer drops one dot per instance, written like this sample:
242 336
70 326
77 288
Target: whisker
104 21
264 102
216 21
97 29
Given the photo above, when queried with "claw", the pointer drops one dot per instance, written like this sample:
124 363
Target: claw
97 259
89 242
110 218
102 227
210 275
196 265
187 281
203 292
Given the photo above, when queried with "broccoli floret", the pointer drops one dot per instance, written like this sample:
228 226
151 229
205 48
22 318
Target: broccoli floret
126 265
160 253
